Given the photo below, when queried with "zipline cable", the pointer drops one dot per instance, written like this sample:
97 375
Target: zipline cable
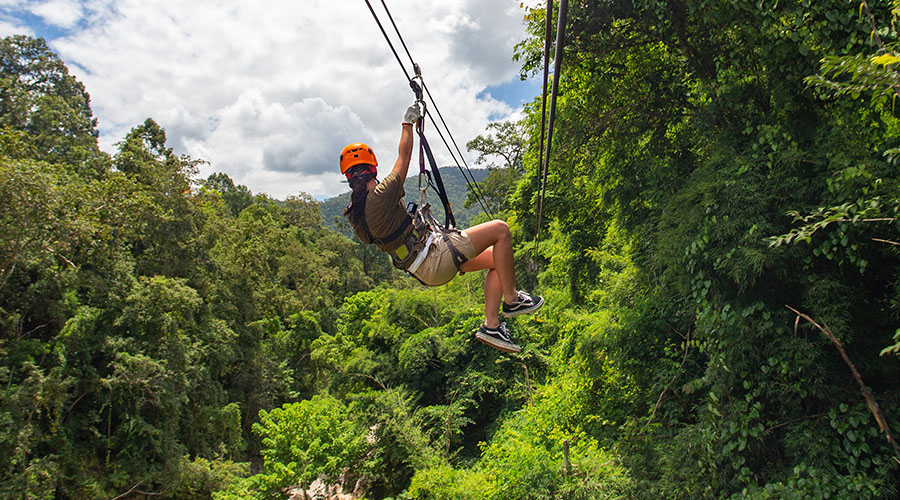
557 68
548 24
473 184
399 36
390 44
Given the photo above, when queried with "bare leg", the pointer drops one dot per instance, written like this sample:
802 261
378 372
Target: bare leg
492 295
493 248
494 235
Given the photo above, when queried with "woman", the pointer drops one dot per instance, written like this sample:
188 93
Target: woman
378 215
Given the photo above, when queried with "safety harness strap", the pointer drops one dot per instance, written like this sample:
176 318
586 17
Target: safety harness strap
436 173
458 258
425 152
389 238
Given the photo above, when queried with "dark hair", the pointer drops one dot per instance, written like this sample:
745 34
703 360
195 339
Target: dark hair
355 211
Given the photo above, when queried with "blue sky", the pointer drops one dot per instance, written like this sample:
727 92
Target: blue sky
515 92
40 28
269 95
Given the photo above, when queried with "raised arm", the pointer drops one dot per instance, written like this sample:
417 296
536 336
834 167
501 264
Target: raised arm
401 166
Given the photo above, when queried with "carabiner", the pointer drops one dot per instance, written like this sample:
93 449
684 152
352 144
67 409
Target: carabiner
423 191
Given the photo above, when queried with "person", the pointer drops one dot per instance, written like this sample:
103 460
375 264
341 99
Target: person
378 215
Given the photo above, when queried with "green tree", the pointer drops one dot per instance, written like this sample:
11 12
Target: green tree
302 442
303 211
237 197
509 145
685 134
167 221
38 96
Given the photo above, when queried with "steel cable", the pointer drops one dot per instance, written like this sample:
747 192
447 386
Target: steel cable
472 184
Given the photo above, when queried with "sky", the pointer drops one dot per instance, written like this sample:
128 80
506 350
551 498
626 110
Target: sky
270 92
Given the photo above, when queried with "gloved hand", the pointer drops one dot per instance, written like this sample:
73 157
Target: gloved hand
412 114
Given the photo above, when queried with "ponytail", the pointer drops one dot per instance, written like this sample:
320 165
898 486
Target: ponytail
355 211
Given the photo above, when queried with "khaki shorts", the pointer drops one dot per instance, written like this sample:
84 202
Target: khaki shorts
438 267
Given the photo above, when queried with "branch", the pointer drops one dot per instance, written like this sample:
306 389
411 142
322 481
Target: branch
889 242
29 332
790 421
872 22
528 385
134 489
61 256
873 406
880 219
83 394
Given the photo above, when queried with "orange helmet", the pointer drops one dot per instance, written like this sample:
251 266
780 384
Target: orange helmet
357 154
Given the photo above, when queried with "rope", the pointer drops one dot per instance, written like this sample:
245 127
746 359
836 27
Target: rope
557 69
473 185
399 36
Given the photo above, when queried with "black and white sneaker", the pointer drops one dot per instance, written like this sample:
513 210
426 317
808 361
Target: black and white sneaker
497 338
524 304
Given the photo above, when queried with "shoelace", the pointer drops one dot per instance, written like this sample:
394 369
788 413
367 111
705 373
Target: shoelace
503 331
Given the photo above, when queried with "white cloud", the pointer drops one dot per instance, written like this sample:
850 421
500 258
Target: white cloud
61 13
11 27
9 23
269 93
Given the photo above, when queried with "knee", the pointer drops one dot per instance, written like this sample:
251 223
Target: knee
501 230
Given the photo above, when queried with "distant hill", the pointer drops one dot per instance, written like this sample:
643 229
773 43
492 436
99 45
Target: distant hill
454 183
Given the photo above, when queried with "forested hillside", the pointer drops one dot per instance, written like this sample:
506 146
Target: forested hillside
720 259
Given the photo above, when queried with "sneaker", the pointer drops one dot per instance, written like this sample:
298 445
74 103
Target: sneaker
497 338
524 304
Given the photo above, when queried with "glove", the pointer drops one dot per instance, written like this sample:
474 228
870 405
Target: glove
412 114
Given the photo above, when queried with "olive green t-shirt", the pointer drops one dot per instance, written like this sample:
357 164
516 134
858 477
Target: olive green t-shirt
385 212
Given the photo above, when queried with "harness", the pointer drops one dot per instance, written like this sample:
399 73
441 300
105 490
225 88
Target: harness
413 251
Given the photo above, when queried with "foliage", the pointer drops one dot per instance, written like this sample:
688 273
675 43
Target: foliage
525 457
236 197
294 448
686 133
509 145
302 442
495 189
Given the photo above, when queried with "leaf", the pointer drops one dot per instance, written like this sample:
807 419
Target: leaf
885 59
